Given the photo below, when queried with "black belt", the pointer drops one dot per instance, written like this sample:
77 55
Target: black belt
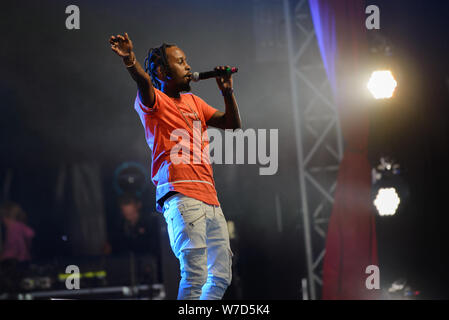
165 197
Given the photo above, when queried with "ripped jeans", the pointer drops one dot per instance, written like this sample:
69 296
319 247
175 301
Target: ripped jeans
199 239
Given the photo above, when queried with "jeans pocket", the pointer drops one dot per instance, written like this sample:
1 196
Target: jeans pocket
189 226
192 212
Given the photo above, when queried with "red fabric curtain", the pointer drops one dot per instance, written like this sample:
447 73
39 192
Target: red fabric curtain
351 238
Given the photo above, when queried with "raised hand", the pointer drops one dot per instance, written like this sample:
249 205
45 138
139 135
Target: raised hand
121 45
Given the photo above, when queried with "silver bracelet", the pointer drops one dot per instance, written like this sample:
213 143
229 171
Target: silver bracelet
131 65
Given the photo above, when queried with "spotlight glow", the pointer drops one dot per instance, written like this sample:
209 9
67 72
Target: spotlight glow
387 201
382 84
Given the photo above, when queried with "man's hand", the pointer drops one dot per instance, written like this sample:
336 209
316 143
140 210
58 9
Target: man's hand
230 119
122 45
224 82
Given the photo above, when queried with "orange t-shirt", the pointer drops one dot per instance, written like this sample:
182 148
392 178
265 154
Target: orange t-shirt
191 179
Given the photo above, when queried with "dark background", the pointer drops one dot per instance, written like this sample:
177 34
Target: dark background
414 129
66 98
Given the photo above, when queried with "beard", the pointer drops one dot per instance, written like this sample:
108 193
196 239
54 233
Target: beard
185 87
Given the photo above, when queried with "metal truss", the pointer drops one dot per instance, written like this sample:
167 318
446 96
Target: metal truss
318 135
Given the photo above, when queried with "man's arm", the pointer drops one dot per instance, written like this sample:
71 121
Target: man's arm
230 119
123 47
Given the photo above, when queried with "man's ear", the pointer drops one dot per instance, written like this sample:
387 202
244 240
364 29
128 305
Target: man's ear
162 74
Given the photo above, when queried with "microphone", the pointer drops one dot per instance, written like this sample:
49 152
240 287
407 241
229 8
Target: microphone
197 76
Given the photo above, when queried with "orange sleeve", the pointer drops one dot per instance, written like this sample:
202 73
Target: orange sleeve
206 109
145 109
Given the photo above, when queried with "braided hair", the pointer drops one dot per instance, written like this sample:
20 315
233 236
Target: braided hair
157 57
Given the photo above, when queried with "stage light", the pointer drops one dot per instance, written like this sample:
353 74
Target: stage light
389 190
387 201
382 84
130 177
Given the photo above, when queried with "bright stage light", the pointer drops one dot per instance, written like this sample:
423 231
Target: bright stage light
387 201
389 191
382 84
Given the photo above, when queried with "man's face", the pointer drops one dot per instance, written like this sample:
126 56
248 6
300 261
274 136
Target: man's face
130 211
180 69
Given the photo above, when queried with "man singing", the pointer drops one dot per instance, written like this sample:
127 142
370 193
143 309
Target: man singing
185 192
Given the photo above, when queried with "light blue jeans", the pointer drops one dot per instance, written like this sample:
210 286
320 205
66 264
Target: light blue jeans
199 238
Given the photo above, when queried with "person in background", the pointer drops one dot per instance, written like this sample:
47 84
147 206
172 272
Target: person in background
15 246
136 234
17 236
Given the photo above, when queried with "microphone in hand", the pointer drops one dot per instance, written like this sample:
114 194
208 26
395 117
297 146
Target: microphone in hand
197 76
